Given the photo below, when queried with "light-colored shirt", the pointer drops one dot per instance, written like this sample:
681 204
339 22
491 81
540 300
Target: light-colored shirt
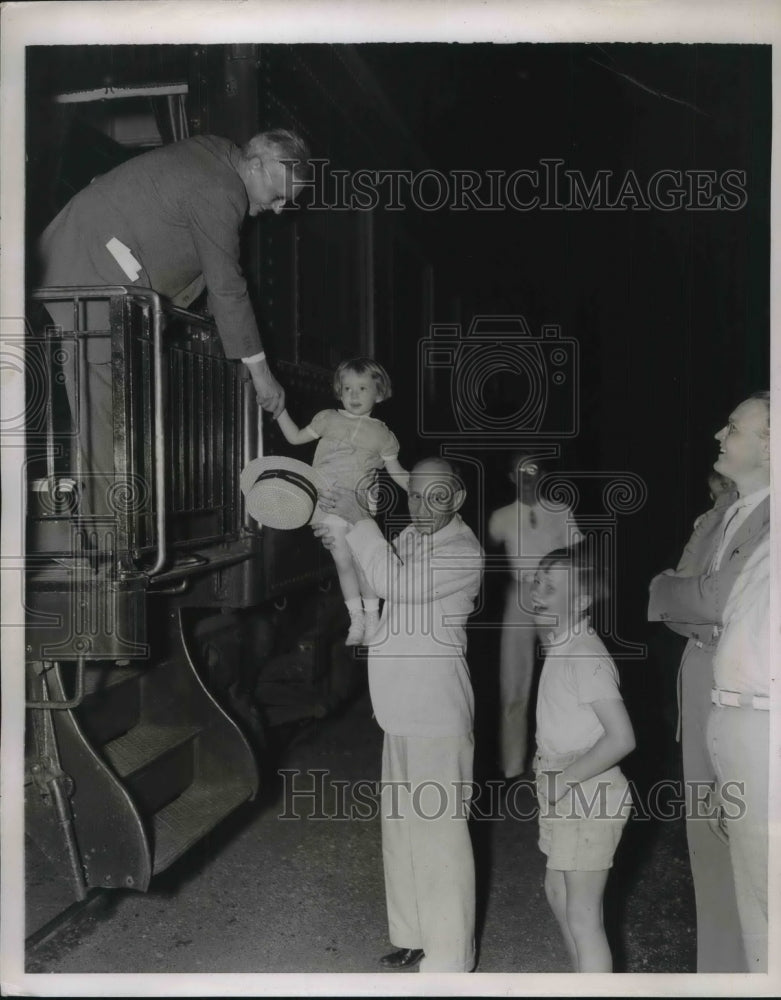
577 672
734 516
742 659
530 532
418 675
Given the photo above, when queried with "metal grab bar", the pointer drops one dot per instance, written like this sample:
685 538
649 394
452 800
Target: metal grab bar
65 704
179 588
58 293
180 570
153 303
145 315
159 435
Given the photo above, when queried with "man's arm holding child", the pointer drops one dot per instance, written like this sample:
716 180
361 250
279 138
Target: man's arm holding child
458 569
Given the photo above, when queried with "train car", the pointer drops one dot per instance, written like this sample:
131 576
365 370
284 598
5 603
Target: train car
165 638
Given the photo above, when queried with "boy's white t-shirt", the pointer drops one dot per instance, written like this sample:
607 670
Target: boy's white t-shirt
577 671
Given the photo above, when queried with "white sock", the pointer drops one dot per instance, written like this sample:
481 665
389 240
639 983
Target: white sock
354 605
371 604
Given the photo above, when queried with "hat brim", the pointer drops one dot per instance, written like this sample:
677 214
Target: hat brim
281 492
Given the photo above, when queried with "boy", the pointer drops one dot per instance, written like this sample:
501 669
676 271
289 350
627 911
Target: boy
583 731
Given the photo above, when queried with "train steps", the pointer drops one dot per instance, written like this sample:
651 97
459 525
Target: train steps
153 762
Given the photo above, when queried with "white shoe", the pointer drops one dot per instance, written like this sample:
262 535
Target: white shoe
372 624
355 635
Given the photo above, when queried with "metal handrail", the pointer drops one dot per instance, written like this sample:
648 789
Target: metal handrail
157 309
67 703
159 436
154 303
184 570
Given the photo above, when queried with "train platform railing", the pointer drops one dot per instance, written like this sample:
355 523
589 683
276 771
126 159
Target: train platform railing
140 428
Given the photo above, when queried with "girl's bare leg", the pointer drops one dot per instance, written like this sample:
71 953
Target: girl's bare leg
348 578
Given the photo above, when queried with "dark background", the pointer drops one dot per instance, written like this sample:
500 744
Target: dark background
670 310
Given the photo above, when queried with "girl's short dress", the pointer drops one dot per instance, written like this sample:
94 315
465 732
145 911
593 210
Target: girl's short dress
349 452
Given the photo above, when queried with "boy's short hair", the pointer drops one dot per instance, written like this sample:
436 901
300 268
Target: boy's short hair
364 366
587 570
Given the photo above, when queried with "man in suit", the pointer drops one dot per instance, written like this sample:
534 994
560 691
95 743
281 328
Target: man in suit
422 698
168 220
691 600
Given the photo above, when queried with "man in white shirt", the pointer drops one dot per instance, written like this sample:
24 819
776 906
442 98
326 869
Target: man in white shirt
527 529
693 603
422 698
738 741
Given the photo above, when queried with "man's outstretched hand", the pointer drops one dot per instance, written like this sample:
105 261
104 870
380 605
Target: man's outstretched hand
271 395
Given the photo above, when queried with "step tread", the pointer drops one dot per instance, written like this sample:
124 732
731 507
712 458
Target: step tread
145 743
185 820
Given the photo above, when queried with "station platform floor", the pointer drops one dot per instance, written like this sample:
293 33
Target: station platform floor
270 892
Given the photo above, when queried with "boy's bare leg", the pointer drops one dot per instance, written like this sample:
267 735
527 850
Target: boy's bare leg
584 894
556 893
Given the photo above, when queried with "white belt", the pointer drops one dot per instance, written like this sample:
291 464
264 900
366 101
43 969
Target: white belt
734 699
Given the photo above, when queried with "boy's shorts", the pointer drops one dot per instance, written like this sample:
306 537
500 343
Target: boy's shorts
581 831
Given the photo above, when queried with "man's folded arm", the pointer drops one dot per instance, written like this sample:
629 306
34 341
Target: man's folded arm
692 599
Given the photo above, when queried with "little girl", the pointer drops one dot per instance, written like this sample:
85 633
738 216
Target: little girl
583 731
352 446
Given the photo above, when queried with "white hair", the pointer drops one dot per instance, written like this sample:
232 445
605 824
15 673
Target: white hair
282 143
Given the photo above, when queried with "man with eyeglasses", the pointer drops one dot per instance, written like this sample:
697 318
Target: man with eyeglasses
169 220
695 600
422 698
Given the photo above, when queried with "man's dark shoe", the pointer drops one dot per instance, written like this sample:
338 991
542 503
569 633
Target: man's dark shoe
402 959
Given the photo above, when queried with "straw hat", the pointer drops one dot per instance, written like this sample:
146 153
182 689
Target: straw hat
281 492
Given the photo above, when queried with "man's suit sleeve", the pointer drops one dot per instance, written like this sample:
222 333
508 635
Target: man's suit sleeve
215 220
692 596
699 550
692 599
701 599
